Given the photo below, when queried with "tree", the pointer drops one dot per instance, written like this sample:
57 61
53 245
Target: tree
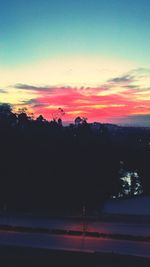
58 114
78 120
5 109
7 117
60 122
23 118
40 118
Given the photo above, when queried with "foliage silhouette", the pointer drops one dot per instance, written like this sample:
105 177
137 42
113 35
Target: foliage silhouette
45 167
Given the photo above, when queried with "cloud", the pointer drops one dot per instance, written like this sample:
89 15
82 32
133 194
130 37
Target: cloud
31 87
122 79
75 101
34 103
140 72
133 78
111 100
134 85
44 90
3 91
122 98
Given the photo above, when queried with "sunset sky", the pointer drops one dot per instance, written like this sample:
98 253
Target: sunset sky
89 57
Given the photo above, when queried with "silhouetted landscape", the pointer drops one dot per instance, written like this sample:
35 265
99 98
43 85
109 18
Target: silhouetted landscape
56 179
46 167
75 133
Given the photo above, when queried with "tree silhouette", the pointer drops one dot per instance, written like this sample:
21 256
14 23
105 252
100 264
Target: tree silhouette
7 117
45 166
58 114
78 120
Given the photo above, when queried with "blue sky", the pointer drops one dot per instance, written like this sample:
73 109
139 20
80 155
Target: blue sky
35 29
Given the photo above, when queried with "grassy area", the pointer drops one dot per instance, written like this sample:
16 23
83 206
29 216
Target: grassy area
26 257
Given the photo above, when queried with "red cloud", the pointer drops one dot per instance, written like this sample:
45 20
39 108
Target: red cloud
97 104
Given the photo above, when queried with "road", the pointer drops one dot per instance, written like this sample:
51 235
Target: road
75 243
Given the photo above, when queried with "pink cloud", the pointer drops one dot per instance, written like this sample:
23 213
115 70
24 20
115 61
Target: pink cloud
117 98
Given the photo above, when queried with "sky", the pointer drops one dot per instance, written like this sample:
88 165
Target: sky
88 57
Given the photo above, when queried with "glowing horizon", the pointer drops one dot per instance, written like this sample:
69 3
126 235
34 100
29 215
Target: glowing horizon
114 100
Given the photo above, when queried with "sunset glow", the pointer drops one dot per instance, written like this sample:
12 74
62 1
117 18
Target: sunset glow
77 62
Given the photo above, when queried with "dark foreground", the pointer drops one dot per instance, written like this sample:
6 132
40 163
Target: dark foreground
26 257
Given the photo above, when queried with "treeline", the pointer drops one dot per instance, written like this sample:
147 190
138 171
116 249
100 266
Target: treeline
47 167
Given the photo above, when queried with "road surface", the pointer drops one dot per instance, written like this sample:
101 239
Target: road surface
75 243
